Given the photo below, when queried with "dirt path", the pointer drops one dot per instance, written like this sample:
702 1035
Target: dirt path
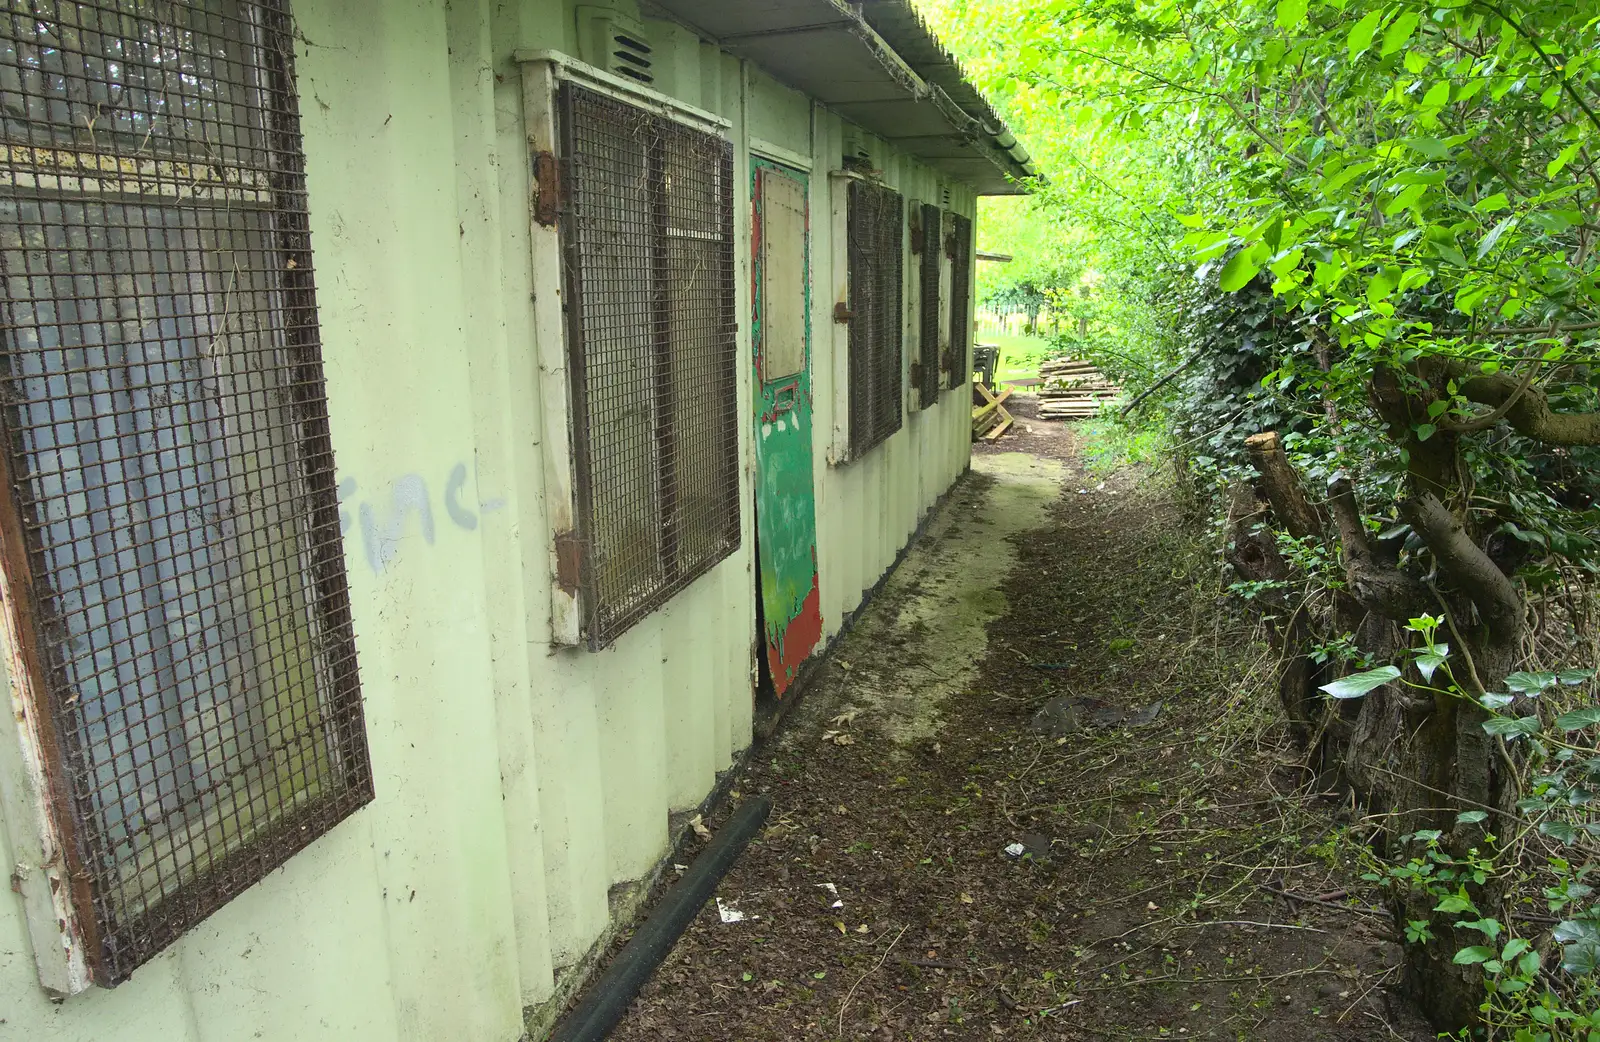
979 831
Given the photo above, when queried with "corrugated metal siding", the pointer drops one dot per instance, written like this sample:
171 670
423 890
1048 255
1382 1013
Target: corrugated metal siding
516 783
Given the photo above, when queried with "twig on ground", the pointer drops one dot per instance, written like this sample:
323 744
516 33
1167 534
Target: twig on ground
851 993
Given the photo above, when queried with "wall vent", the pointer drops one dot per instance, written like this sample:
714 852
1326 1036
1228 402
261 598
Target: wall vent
614 42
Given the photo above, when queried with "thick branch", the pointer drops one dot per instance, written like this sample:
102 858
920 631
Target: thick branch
1467 566
1282 485
1387 591
1528 410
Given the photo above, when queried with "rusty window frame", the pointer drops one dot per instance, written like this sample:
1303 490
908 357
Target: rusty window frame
177 611
875 223
647 258
958 368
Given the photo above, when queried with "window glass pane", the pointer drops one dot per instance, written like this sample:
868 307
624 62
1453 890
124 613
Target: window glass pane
148 76
166 427
875 220
649 245
783 275
153 414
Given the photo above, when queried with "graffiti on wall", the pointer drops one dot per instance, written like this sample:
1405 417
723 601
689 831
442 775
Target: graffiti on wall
383 521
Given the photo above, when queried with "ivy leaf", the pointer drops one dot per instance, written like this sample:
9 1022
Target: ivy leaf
1573 677
1357 684
1511 727
1496 700
1361 33
1560 831
1471 817
1473 955
1578 719
1580 945
1429 662
1581 958
1530 683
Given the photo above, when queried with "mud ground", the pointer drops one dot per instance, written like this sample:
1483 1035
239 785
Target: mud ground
944 862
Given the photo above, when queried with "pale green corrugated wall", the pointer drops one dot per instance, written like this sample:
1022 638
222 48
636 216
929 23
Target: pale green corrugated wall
515 786
398 923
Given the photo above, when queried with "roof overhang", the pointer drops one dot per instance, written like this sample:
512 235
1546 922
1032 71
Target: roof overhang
877 65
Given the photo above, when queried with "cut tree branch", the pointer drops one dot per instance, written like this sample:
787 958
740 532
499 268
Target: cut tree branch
1528 409
1387 591
1466 565
1282 485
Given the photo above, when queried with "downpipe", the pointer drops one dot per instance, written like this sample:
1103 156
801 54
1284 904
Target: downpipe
606 1000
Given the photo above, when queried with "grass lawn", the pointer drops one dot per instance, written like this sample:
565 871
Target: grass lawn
1019 355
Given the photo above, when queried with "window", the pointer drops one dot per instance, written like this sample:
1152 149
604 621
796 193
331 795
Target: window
959 365
928 242
647 227
170 542
875 221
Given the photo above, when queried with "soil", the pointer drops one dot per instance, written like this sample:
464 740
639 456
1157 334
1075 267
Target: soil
944 861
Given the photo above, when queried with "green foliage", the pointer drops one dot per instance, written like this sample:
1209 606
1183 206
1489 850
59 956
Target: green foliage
1305 206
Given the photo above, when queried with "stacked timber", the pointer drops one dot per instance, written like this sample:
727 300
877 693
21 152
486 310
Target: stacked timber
1073 389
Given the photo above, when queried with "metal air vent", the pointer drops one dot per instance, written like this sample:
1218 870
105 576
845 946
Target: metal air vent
614 42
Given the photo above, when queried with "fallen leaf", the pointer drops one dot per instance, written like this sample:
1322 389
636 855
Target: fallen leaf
1153 906
839 926
846 717
863 928
966 899
699 827
847 667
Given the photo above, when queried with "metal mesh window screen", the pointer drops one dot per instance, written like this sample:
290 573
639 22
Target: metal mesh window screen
959 368
875 219
648 239
172 536
928 288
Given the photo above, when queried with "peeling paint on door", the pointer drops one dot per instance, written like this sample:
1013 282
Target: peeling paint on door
786 522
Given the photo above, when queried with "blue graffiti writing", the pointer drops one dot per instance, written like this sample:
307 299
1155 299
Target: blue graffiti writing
383 525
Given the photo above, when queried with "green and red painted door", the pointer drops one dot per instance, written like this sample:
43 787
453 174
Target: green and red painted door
786 516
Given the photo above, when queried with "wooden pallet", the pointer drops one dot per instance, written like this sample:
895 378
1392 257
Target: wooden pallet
989 416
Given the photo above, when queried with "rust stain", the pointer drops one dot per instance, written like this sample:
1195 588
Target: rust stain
569 561
547 188
842 312
28 672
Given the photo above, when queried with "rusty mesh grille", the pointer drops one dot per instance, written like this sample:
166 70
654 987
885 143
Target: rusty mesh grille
876 216
172 538
648 239
959 366
928 279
